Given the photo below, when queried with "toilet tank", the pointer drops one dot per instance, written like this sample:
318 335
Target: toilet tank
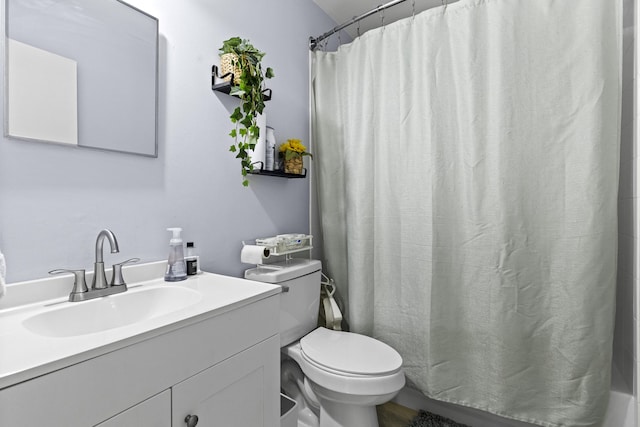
300 297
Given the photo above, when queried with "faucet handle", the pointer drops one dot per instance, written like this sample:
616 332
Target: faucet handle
117 279
79 282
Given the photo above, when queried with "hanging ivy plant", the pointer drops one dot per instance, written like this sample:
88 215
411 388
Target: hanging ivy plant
249 86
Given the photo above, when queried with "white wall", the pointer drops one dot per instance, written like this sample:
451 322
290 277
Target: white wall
54 200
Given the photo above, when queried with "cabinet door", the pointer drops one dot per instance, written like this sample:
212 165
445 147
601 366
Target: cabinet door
153 412
241 391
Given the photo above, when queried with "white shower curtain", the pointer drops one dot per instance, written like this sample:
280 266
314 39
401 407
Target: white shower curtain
467 163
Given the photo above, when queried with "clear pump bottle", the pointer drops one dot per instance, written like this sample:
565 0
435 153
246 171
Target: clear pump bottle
176 267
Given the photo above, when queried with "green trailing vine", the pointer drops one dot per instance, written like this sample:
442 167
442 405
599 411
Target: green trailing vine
249 86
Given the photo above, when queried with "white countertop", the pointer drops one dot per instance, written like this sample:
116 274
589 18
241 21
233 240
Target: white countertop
25 354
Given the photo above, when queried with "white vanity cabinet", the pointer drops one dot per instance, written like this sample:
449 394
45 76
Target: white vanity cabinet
222 366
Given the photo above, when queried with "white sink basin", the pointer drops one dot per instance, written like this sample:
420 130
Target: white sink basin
135 305
41 332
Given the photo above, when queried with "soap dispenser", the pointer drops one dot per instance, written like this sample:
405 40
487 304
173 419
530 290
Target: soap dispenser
176 268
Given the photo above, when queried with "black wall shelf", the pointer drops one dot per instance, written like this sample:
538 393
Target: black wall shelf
225 86
279 173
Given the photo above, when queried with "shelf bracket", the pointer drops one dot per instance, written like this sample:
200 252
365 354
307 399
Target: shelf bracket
224 86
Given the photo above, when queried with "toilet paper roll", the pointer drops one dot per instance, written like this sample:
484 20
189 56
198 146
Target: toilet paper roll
254 254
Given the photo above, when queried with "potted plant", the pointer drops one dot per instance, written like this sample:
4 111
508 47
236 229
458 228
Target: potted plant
249 87
292 152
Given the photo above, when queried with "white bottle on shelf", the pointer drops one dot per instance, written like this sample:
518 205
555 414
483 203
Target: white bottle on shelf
258 156
270 155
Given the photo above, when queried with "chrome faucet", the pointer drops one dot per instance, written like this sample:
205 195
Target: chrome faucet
99 285
99 277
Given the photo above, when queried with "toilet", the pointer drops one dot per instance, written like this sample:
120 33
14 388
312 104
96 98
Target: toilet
339 377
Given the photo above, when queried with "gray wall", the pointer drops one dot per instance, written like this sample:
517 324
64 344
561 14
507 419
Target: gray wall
55 199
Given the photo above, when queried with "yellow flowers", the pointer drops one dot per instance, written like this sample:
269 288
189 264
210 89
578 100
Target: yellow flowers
292 151
293 145
293 148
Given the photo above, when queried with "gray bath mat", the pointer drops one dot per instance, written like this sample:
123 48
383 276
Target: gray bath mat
427 419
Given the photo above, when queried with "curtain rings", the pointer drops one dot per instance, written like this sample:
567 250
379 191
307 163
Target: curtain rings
357 27
413 9
445 3
323 44
381 11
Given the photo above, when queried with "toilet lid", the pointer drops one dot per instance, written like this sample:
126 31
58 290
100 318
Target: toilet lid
350 353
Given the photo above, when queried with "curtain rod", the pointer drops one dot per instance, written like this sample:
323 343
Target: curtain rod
313 41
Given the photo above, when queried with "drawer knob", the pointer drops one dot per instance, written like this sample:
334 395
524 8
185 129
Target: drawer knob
191 420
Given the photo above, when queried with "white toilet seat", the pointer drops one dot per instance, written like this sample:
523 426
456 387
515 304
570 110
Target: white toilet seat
356 386
349 353
338 364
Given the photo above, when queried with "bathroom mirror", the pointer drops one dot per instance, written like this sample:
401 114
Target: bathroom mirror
82 73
